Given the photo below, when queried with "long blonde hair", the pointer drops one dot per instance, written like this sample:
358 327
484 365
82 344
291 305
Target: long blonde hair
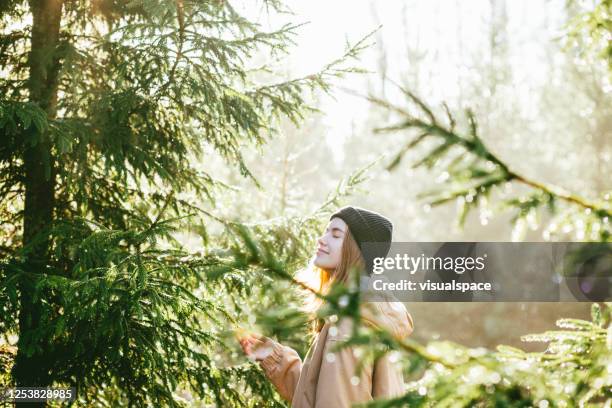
321 280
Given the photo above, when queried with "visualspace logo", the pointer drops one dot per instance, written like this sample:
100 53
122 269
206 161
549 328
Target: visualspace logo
413 264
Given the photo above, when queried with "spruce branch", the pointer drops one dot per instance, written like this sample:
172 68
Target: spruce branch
474 169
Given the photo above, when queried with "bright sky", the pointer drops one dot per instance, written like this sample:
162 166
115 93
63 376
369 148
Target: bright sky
447 33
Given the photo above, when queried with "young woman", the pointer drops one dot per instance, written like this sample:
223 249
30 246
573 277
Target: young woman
327 379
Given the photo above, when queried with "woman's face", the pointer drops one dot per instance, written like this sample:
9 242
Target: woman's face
329 245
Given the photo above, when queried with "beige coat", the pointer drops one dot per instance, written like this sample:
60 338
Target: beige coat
328 380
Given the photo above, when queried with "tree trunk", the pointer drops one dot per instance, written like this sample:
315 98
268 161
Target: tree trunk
31 367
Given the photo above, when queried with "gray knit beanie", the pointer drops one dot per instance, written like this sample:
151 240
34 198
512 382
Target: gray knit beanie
367 227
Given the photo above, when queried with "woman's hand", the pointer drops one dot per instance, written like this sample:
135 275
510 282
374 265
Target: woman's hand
255 346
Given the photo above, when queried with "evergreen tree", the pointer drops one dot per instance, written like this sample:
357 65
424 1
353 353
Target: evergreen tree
108 110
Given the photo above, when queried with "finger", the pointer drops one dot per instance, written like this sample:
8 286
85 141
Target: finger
259 336
246 346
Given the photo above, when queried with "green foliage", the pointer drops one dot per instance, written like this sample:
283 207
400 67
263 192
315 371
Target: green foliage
6 361
146 96
588 32
471 173
131 322
136 96
574 370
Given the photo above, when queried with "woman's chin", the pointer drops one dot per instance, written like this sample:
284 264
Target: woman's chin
320 263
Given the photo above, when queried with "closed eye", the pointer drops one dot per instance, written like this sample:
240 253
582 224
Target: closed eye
336 232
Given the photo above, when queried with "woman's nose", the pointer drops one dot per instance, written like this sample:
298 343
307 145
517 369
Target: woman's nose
321 241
